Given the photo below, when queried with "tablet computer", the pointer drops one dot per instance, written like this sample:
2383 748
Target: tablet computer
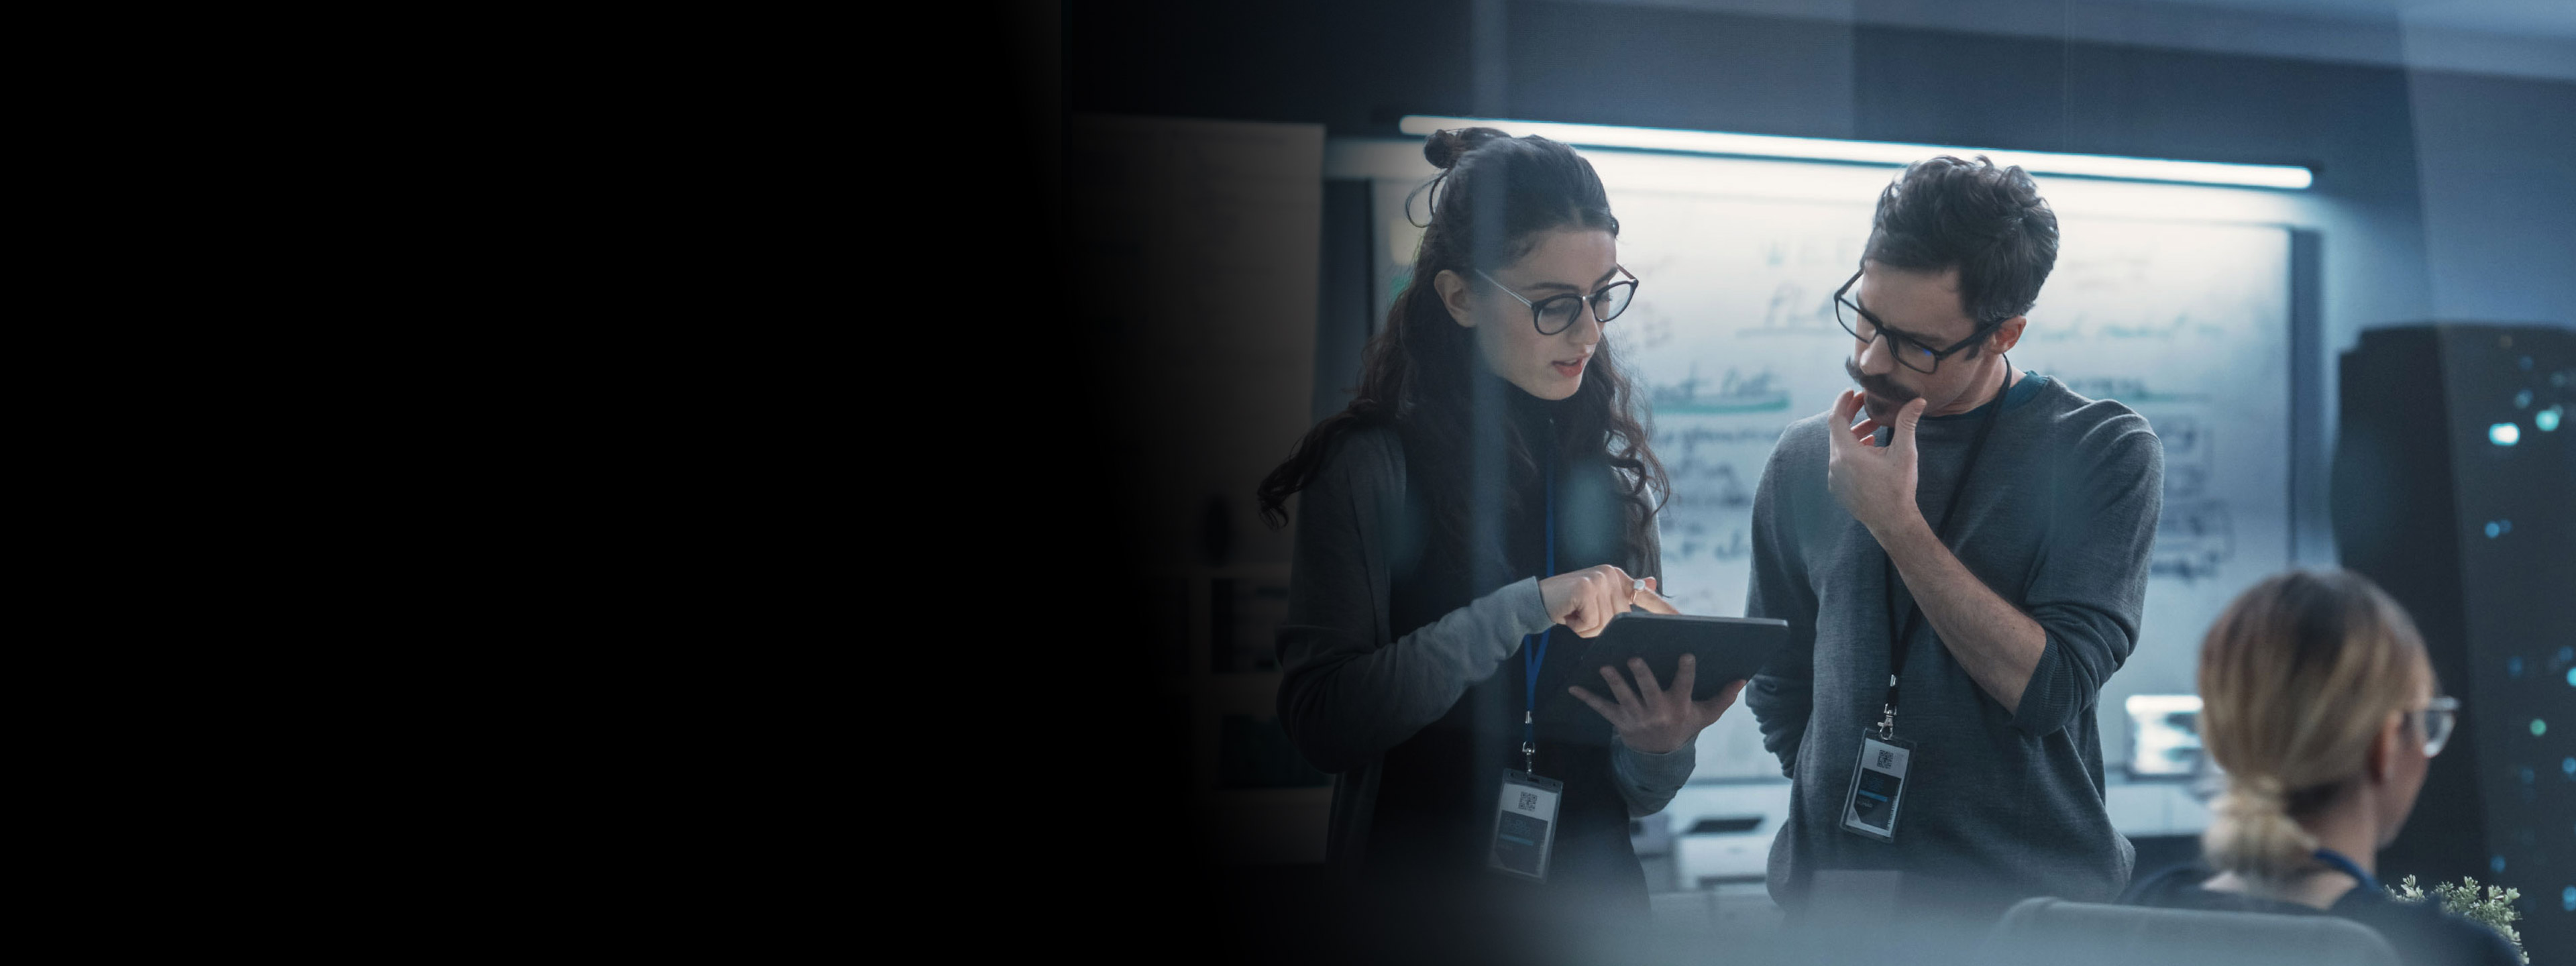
1729 649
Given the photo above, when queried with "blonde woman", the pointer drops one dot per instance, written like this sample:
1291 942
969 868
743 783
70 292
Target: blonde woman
2319 703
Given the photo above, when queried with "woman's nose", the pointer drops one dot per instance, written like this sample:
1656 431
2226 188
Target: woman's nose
1585 331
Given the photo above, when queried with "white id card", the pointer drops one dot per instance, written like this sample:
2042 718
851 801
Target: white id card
1525 825
1878 788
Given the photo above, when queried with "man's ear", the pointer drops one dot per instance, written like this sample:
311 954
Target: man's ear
2008 335
1453 295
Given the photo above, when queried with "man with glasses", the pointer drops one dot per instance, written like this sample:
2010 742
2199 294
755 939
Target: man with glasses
1960 550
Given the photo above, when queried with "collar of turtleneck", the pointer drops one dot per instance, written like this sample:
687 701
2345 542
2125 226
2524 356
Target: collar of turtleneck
1528 413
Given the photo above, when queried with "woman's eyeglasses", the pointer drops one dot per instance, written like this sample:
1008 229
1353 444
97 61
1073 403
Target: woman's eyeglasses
1556 314
2434 722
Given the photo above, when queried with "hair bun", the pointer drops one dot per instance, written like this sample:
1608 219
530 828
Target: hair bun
1445 147
2251 834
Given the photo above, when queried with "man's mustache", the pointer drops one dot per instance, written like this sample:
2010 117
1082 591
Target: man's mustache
1878 385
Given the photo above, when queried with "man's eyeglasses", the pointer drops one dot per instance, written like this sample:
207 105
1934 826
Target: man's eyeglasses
2434 722
1908 350
1556 314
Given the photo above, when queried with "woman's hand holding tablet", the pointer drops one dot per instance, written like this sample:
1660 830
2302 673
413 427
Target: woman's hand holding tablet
1665 646
1658 720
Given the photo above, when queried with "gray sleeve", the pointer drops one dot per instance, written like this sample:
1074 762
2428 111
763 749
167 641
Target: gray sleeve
2090 581
1347 694
1648 781
1783 693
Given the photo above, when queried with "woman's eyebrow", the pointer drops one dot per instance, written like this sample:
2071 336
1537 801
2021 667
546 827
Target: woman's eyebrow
1561 286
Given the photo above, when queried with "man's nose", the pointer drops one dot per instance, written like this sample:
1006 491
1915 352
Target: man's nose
1875 359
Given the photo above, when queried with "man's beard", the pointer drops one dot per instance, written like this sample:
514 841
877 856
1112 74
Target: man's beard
1878 392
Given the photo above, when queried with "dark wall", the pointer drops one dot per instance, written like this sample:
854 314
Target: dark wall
1354 67
1651 67
2497 158
2351 123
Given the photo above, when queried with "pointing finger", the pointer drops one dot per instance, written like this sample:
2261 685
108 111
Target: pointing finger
1646 597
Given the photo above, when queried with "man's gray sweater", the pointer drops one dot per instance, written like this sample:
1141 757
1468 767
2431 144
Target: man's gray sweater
2058 519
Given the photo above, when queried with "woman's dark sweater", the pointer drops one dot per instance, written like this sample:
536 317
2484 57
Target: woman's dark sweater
1403 675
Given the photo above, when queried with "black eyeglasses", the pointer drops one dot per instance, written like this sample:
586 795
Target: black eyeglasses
1556 314
1908 350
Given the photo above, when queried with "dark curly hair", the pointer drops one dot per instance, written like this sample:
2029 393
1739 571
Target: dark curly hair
1988 222
1494 195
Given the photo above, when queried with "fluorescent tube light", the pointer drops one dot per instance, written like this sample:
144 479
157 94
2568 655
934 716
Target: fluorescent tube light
1880 152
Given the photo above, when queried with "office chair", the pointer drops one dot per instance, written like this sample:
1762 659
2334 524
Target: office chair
2057 932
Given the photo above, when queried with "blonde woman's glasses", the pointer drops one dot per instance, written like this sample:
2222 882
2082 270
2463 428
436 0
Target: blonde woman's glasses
2434 722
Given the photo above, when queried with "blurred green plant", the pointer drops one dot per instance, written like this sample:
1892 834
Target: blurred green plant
2461 898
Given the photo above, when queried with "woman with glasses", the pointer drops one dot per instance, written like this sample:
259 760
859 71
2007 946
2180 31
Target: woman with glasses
2319 703
1485 504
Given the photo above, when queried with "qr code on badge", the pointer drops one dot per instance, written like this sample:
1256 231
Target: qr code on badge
1886 758
1529 802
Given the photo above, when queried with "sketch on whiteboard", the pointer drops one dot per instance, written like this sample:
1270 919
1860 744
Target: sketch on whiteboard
1710 456
2165 330
2187 455
1653 328
2196 534
2193 540
1709 496
1794 310
2132 391
1733 549
1684 439
1735 393
1707 483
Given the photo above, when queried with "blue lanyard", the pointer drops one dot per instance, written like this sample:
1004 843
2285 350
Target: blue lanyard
2339 863
1534 654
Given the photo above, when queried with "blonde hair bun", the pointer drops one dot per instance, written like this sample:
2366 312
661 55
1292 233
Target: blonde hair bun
2253 835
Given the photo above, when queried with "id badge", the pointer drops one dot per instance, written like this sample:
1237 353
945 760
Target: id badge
1878 788
1525 825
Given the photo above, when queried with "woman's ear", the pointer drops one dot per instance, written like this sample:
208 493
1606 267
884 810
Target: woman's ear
2385 746
1453 294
